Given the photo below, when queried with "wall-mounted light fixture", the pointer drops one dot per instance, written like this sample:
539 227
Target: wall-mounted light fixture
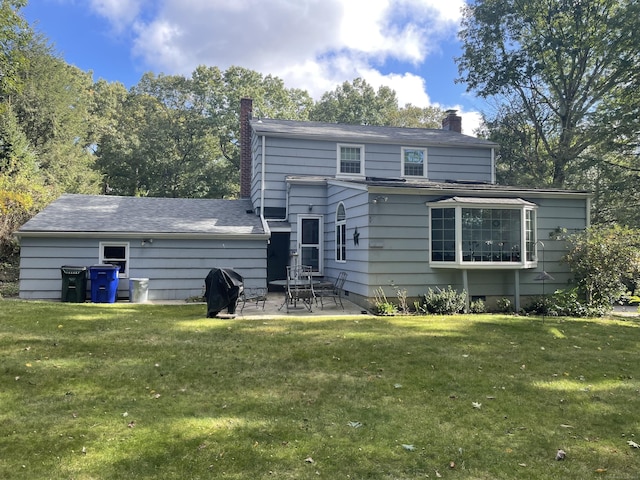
379 199
146 241
310 206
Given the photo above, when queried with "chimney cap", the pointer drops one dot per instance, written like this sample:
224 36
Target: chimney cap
451 111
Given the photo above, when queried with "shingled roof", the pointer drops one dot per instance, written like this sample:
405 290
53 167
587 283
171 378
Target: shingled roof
367 133
106 214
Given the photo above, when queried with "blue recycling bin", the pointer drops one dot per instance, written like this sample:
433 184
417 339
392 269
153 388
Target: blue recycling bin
104 283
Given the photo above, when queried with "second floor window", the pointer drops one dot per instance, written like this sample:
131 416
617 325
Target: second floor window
414 162
350 159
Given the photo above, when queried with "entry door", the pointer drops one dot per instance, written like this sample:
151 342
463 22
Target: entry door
277 257
310 242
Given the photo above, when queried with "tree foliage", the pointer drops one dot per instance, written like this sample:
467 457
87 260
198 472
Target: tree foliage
555 67
605 261
358 103
178 137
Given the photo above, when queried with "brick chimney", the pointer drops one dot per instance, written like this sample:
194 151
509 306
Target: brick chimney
452 121
246 107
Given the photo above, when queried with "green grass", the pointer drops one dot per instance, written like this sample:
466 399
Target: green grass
91 391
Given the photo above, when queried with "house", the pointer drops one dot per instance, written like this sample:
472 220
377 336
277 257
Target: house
407 207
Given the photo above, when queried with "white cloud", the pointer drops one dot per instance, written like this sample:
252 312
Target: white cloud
120 13
311 44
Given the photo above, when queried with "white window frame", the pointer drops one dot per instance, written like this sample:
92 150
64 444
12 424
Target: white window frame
424 162
528 240
107 260
341 233
319 246
339 171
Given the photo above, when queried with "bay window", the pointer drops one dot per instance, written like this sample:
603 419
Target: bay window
481 232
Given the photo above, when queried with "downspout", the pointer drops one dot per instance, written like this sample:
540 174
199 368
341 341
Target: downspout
262 181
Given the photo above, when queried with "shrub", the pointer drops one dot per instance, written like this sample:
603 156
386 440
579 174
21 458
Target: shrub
504 305
604 261
443 301
563 303
381 305
477 306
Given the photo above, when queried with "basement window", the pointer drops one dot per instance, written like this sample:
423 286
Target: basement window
483 233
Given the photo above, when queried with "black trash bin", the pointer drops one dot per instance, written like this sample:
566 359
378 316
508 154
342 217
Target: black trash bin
222 288
74 284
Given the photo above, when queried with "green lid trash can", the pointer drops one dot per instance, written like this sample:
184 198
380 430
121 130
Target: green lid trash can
74 283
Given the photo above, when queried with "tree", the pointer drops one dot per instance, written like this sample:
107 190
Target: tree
560 64
178 137
14 32
605 262
356 103
53 108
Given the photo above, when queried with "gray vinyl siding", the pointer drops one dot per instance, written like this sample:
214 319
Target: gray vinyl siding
300 157
459 164
397 249
356 265
176 268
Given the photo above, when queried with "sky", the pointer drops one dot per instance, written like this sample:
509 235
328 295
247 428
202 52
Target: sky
315 45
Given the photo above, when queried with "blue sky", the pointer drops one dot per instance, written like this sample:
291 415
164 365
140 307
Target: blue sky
408 45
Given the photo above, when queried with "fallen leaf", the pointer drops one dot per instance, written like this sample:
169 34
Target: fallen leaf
522 464
561 454
563 425
354 424
633 444
476 404
408 447
438 474
601 470
397 385
309 460
452 465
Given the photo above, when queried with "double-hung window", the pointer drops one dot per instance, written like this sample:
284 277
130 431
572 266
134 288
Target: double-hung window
341 234
483 233
414 162
115 254
350 159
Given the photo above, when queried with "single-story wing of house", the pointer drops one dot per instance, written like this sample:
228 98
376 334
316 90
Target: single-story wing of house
174 242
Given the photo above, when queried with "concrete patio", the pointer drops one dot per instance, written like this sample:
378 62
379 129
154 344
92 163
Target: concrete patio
273 307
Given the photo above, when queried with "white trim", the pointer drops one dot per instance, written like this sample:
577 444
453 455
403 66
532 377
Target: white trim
319 245
339 147
343 225
459 262
424 162
103 260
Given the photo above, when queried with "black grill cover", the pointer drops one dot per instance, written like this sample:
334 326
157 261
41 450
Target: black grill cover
222 288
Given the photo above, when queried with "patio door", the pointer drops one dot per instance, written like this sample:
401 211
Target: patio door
310 241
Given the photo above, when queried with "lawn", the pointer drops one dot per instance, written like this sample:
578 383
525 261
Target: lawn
93 391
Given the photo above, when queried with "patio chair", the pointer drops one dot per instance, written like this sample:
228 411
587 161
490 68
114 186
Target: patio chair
334 291
253 295
299 286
